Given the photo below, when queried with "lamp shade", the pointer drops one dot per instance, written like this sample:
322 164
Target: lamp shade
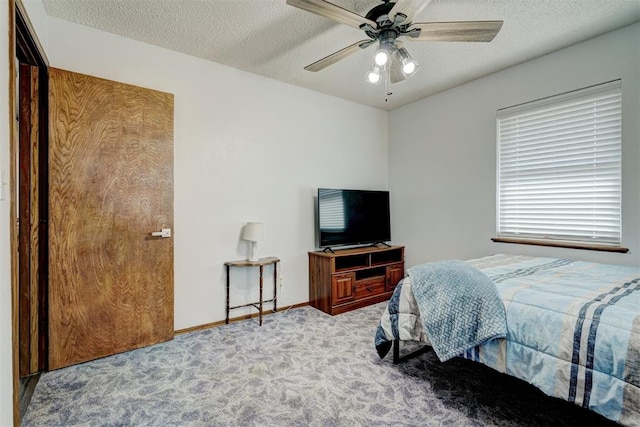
252 231
409 65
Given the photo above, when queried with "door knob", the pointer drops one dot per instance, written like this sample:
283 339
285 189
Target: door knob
165 232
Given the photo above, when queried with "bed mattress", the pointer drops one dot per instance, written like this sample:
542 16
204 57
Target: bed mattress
573 329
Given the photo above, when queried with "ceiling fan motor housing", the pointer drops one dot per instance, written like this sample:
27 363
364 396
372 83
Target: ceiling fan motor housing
381 13
387 38
387 28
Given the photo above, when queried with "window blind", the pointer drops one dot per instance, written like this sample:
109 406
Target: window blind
559 167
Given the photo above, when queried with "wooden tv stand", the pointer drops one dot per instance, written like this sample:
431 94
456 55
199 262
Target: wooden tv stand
353 278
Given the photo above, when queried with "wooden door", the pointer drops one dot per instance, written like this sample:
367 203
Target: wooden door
110 187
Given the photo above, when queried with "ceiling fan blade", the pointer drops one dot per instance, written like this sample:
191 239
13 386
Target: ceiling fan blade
332 11
463 31
409 8
337 56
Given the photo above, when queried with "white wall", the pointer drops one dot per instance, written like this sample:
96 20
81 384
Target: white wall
6 369
442 161
246 148
38 19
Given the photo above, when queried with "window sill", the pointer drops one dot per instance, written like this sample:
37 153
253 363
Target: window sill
558 244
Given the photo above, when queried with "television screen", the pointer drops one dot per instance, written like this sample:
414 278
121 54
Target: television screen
352 217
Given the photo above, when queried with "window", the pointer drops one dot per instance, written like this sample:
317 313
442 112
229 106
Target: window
559 168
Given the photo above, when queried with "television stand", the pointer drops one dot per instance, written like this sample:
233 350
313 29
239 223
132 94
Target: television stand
328 249
353 278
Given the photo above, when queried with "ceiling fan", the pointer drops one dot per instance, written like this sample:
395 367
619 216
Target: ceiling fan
385 24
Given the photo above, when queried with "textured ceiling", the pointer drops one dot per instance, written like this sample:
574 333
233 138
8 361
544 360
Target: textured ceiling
272 39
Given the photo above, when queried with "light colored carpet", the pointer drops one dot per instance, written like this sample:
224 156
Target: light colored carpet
302 367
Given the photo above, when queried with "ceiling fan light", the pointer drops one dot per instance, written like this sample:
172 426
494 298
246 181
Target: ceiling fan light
382 56
409 65
373 76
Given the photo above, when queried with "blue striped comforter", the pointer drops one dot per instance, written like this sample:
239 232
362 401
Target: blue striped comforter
573 330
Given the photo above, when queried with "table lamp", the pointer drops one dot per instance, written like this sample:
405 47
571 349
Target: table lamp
253 233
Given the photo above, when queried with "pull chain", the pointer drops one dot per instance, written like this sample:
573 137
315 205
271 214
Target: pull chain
387 78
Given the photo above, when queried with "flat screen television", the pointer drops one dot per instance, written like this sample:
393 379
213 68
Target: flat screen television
352 217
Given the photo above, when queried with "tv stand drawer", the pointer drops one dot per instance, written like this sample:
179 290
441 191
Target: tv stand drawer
369 287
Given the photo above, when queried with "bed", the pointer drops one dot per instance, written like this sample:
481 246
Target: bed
570 328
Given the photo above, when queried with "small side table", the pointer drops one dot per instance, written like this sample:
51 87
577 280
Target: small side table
262 262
